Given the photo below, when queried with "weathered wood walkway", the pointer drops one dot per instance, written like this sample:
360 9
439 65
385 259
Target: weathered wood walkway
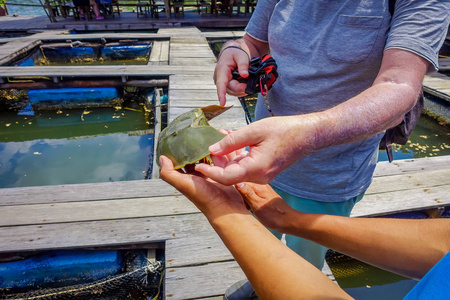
142 212
198 266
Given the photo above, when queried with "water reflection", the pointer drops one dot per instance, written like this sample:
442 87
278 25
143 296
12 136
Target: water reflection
32 152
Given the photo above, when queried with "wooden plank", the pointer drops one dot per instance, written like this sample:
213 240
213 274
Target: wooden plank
195 86
412 165
213 278
192 79
224 34
233 119
380 203
203 61
383 184
193 54
193 94
100 233
86 192
159 53
437 84
157 127
100 71
198 249
193 102
16 215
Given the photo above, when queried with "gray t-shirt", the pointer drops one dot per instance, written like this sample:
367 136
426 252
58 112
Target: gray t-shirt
327 52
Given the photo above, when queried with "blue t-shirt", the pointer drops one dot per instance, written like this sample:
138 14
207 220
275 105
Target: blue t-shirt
327 52
435 284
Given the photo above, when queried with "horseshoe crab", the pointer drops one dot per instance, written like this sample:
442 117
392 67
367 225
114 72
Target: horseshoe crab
187 138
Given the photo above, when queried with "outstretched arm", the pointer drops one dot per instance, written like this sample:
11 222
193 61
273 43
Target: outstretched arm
276 143
275 271
404 246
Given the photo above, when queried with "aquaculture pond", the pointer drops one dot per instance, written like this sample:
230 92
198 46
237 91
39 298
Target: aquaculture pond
365 282
74 51
66 146
429 138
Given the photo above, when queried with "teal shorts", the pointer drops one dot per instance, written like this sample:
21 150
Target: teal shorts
313 252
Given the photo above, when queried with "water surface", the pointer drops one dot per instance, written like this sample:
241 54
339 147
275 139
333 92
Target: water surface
74 146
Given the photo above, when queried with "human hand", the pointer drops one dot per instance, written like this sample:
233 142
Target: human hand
213 199
270 209
230 59
274 144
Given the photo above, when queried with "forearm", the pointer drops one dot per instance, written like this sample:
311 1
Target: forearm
407 247
378 108
275 271
382 106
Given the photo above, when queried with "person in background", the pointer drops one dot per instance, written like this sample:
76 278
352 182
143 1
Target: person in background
410 247
348 70
86 3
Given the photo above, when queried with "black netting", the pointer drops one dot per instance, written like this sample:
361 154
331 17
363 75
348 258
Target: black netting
141 283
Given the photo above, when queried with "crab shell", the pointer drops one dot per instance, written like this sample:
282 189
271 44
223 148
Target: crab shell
187 138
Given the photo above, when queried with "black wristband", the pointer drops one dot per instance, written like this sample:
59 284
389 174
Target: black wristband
236 47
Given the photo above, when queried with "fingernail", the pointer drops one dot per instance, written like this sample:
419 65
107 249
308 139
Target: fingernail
214 148
240 185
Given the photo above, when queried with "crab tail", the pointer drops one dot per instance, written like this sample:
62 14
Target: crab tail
206 160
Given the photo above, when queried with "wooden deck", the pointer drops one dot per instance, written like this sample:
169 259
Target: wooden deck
198 266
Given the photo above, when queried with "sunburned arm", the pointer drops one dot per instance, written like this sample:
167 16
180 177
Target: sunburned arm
407 247
276 143
383 105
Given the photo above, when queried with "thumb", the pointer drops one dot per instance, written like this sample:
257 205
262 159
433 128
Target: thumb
168 173
247 192
236 140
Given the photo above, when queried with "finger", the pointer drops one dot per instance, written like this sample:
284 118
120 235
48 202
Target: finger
234 141
242 64
168 173
222 75
220 160
246 191
221 92
229 175
236 88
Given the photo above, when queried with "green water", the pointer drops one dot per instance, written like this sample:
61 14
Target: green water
74 146
428 139
78 56
366 282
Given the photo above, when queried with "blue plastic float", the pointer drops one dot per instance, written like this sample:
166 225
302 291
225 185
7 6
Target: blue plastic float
73 97
60 268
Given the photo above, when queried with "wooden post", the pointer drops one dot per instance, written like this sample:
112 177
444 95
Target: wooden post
50 11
